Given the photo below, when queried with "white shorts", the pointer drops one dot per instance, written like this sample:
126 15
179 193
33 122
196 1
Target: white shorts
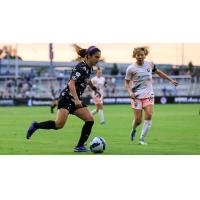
139 104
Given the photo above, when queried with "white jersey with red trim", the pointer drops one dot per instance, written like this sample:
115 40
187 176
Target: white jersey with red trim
141 77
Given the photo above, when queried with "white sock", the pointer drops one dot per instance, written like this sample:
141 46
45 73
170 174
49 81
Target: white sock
101 116
94 112
145 129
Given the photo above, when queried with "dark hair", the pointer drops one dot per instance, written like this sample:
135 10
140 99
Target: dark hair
83 52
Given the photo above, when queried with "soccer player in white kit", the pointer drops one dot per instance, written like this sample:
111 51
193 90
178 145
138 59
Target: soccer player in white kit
99 82
138 82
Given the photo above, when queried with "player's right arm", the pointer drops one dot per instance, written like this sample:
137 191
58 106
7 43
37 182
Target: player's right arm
75 76
129 89
127 82
72 89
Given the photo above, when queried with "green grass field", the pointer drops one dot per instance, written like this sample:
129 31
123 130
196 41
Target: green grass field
175 131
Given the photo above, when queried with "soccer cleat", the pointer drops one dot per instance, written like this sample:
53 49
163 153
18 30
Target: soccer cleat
81 149
103 122
31 130
141 142
133 134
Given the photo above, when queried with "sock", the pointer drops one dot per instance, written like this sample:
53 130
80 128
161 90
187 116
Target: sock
94 112
86 130
134 125
52 107
101 116
145 129
46 125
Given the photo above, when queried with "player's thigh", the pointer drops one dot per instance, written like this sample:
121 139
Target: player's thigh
136 105
99 106
138 115
84 114
148 112
61 118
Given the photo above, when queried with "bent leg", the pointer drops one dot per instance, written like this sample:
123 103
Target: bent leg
136 122
86 116
147 122
95 111
101 114
60 121
61 118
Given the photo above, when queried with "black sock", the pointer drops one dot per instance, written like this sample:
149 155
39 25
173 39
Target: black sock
46 125
85 133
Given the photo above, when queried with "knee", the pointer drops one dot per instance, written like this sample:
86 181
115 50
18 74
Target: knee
138 121
90 118
148 117
59 125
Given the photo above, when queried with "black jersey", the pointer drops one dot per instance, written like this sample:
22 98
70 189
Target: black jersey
81 74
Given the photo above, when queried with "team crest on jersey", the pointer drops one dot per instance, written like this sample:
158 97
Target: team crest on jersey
74 78
148 69
77 74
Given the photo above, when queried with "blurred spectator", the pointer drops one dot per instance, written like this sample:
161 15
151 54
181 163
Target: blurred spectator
108 87
113 86
1 52
164 91
14 54
10 53
175 70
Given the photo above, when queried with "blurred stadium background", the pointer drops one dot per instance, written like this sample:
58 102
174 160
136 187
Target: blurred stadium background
30 82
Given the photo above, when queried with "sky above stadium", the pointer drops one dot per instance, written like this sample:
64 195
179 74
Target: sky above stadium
114 53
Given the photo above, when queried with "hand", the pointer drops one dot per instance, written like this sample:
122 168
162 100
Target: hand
97 93
175 83
78 103
132 95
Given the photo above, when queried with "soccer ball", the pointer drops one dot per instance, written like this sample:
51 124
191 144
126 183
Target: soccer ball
97 145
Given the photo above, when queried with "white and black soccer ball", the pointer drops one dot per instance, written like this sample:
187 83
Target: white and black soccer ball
97 145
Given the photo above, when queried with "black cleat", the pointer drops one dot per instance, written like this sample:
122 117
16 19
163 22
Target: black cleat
31 130
81 149
133 134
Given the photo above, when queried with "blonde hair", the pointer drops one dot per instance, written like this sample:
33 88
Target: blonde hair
143 48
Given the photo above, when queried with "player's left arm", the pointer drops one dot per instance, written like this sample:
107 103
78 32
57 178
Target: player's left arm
94 88
165 76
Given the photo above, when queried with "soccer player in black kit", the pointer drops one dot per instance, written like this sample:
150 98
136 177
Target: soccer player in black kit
69 101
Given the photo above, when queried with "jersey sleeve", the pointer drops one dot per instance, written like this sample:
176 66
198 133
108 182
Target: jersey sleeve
128 73
76 73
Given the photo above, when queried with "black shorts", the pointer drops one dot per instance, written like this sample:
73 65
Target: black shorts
68 104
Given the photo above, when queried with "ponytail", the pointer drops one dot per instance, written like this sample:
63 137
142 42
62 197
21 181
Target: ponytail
83 52
80 51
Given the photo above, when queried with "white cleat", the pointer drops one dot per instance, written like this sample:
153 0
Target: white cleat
141 142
